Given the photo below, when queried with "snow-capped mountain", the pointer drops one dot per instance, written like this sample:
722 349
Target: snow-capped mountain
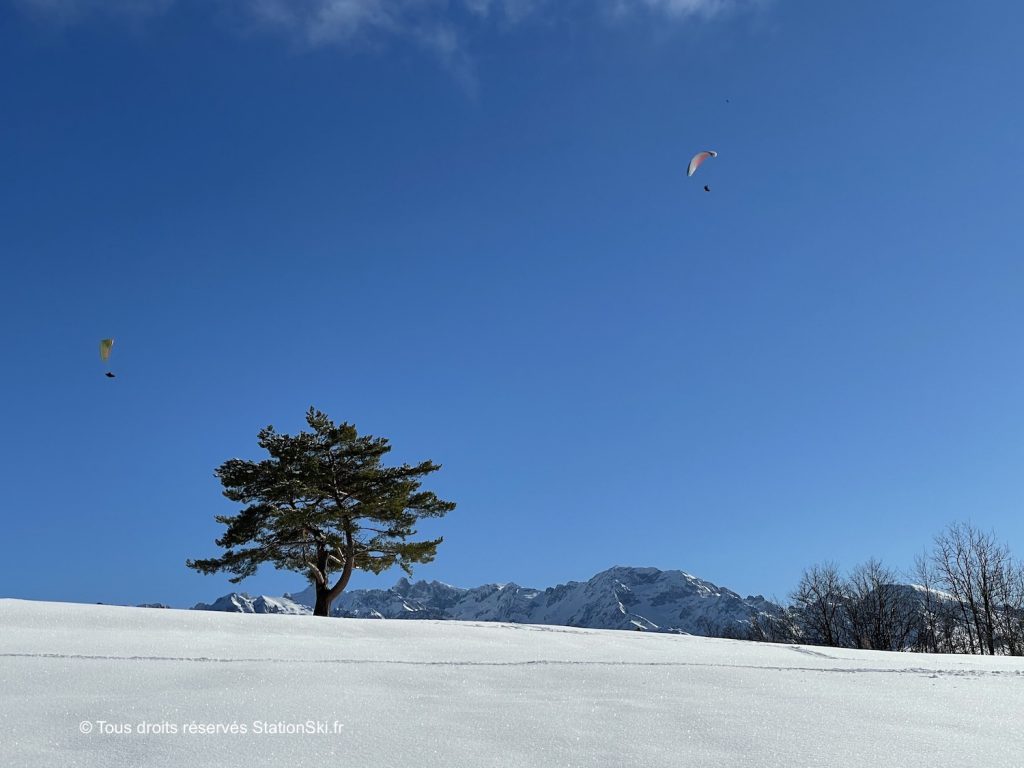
619 598
240 602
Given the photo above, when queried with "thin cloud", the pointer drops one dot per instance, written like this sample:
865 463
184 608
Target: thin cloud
682 8
437 26
340 21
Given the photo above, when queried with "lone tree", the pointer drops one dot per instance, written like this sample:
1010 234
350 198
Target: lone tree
323 505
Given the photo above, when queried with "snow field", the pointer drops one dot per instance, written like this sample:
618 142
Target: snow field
426 694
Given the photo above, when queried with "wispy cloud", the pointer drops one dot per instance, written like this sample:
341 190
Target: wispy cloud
680 9
438 26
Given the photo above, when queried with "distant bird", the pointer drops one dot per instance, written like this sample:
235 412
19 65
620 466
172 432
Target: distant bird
109 375
707 188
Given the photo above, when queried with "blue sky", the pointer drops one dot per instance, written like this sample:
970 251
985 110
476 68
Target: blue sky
466 226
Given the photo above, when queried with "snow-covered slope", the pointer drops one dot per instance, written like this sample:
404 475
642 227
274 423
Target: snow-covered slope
86 686
619 598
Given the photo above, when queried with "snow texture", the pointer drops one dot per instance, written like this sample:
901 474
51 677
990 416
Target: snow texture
438 694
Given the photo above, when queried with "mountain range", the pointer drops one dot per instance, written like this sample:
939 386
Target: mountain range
618 598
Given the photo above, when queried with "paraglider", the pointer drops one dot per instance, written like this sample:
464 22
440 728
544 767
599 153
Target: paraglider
698 159
707 188
105 346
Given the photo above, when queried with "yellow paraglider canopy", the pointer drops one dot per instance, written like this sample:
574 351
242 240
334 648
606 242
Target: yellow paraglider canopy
105 346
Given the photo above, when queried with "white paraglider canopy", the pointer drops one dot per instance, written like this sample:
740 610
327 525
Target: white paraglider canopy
699 158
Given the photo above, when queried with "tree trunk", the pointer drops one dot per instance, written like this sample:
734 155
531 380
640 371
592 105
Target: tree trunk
346 571
324 596
323 601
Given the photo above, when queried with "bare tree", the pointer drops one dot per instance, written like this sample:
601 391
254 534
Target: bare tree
727 630
1009 598
774 626
956 570
819 606
936 628
981 576
881 614
968 597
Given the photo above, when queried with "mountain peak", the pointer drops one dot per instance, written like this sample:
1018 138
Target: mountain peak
621 597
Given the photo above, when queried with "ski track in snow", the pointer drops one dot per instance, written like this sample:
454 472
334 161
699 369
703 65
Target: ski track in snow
809 652
528 663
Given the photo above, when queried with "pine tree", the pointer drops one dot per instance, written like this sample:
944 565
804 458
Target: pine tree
324 505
